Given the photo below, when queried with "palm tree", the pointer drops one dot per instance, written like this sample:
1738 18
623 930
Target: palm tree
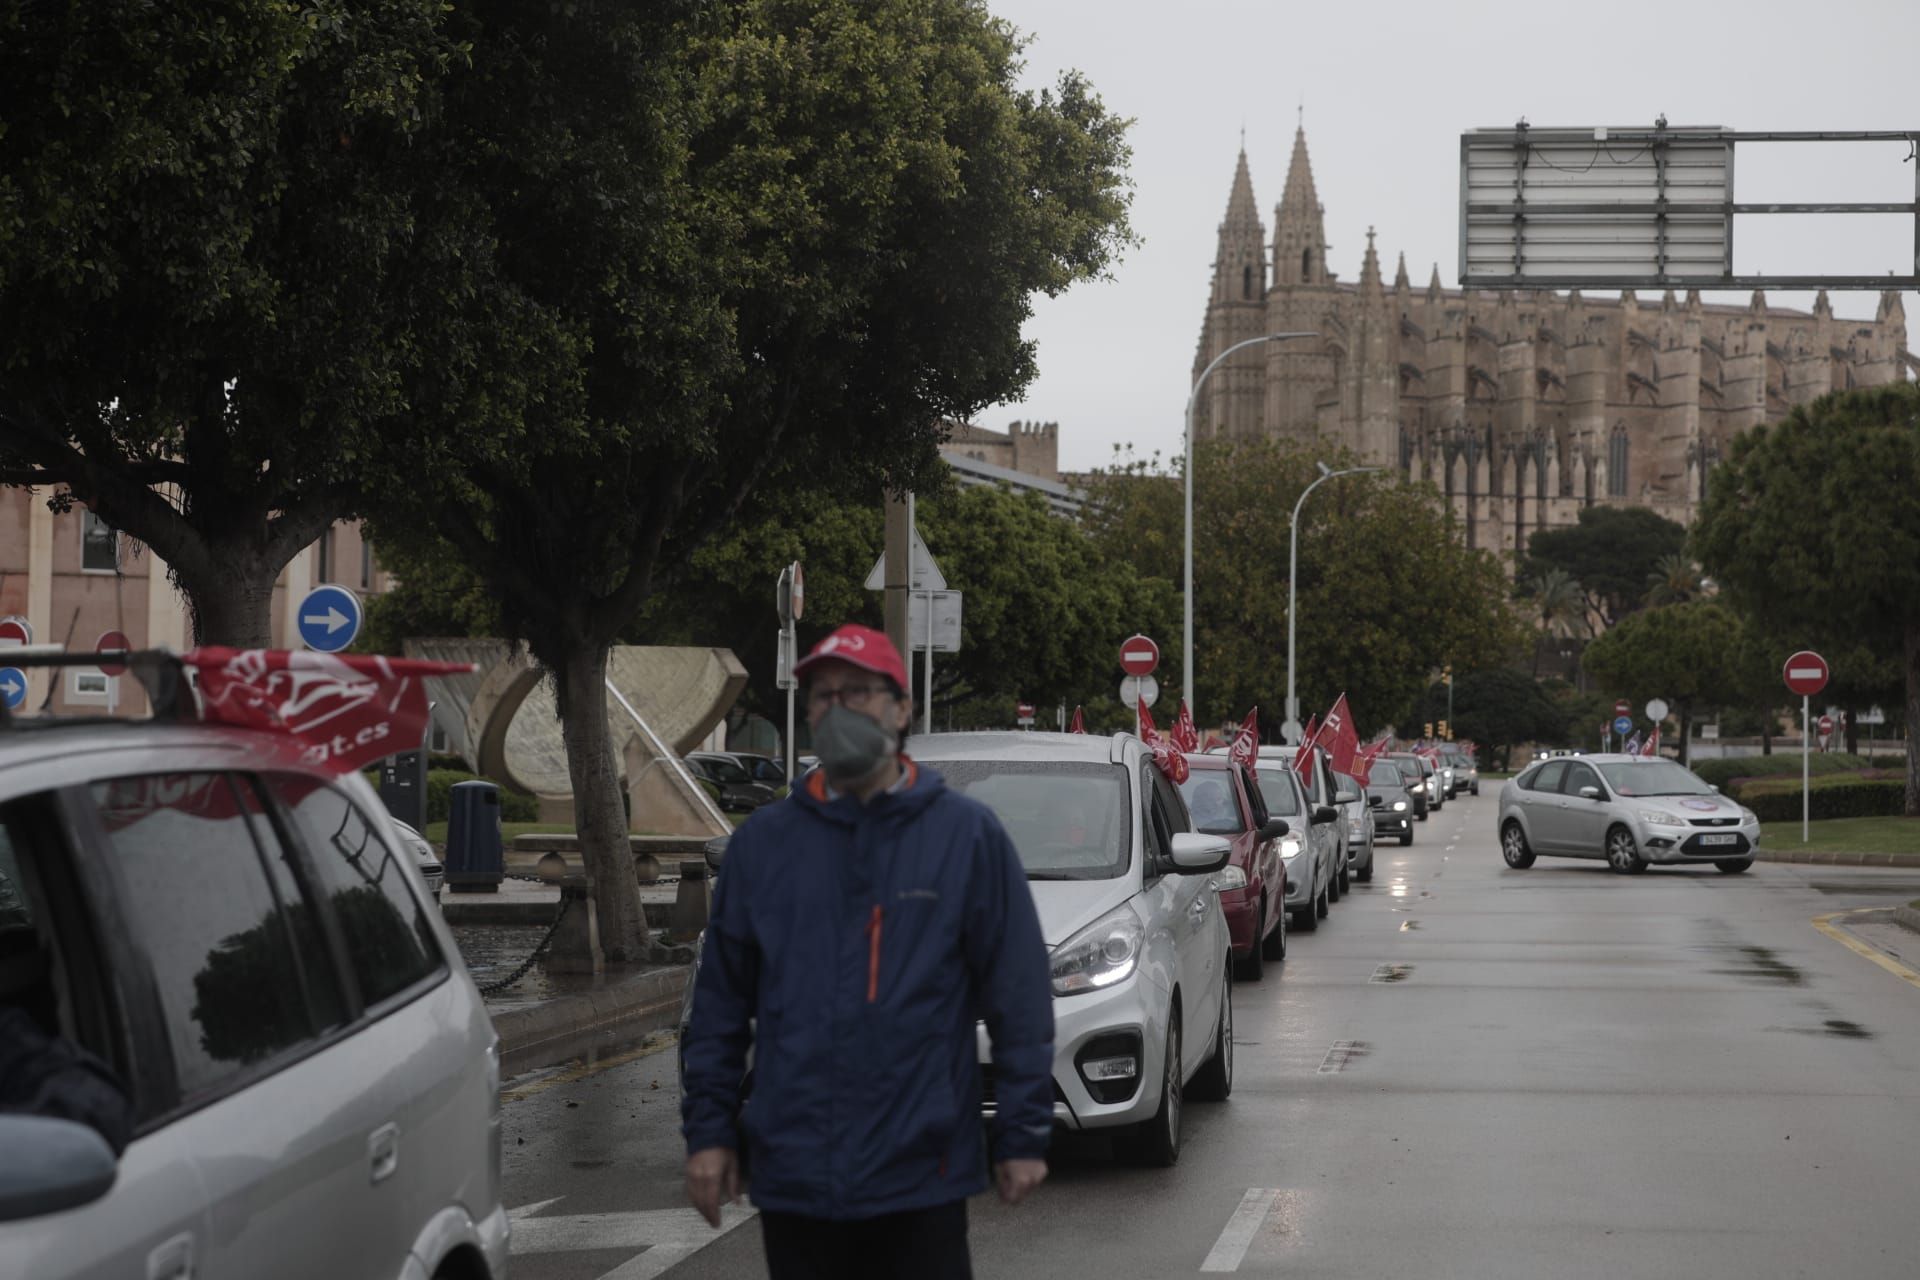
1675 580
1561 605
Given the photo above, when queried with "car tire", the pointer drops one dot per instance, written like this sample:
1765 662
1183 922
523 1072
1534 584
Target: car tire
1333 885
1325 902
1252 966
1307 918
1476 789
1623 855
1346 876
1157 1141
1406 838
1214 1081
1734 866
1365 874
1514 849
1274 945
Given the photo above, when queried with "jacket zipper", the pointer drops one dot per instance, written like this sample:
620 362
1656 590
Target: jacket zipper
873 955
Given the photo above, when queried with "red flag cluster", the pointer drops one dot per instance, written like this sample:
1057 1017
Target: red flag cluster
1246 743
1166 757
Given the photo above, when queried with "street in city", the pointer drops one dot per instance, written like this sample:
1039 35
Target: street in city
1468 1071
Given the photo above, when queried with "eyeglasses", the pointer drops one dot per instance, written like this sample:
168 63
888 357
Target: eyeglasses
851 696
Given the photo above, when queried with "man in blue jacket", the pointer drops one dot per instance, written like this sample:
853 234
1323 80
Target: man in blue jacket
860 930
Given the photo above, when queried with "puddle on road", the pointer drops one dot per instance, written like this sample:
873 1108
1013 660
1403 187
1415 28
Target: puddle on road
1839 1028
630 1038
1762 964
1391 973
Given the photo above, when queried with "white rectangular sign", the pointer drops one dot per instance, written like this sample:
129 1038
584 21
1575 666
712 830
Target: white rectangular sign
946 620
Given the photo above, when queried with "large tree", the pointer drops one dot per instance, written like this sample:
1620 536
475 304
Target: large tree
1684 654
1388 592
1612 552
211 255
733 244
1812 524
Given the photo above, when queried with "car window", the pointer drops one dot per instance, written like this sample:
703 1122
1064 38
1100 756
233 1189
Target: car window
1654 778
204 915
1251 789
726 770
1069 820
1210 799
1548 778
1578 776
390 945
1281 792
15 911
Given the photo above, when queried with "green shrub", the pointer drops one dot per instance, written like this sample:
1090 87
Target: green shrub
514 807
1721 772
1843 798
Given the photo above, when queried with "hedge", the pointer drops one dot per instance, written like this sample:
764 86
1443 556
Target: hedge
1866 798
514 807
1781 763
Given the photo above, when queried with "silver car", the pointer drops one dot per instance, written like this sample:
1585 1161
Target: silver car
1356 804
433 873
1142 995
1630 810
311 1084
1314 852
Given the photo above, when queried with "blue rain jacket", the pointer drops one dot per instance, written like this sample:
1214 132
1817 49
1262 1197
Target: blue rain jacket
855 947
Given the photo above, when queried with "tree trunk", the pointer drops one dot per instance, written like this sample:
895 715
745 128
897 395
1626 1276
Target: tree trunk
1913 717
598 814
231 604
1686 734
1766 731
1853 735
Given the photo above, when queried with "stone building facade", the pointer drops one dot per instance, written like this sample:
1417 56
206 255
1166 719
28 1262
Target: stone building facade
1029 447
1521 407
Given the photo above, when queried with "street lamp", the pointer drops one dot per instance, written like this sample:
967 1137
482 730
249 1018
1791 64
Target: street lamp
1292 727
1193 397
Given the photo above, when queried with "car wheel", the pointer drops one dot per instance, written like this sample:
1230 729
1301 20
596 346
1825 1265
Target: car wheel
1333 886
1406 838
1622 854
1325 901
1274 945
1346 877
1476 788
1514 847
1365 874
1158 1140
1252 966
1214 1082
1734 866
1307 918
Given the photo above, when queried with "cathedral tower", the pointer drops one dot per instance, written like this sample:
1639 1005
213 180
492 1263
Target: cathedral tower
1234 396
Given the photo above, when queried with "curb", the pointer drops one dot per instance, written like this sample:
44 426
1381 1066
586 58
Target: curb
1907 918
654 990
1840 859
659 914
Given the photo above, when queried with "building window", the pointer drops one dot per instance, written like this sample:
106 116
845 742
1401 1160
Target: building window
1246 283
1306 265
366 561
323 570
99 545
1617 461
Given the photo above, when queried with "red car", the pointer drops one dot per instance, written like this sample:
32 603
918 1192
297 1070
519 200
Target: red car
1225 801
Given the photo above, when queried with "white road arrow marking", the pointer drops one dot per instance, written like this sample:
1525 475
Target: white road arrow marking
332 619
668 1236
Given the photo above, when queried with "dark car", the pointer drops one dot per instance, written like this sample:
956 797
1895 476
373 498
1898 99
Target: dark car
759 768
738 791
1225 801
1391 798
1414 774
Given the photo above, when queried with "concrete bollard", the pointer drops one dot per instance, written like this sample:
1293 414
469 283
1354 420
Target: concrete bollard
691 903
576 944
646 868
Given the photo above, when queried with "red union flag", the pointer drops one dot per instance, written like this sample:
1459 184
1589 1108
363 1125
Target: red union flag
1185 736
1364 762
1652 745
1342 742
1303 759
1079 724
1245 750
1166 757
343 712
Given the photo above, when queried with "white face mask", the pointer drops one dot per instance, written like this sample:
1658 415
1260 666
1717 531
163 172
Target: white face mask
852 747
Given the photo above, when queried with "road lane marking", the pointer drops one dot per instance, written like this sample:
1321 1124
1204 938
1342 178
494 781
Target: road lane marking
1391 973
574 1075
1238 1234
667 1236
1825 925
1343 1052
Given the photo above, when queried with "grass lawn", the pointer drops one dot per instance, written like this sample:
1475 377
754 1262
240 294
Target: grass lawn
1846 835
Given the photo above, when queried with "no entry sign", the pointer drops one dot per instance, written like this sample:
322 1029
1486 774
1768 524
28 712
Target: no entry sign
114 642
1623 708
1139 656
1806 673
1826 725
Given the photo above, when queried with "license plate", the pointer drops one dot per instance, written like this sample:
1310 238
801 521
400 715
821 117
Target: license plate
1719 839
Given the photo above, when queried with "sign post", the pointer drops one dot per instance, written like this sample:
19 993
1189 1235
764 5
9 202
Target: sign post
1806 675
1024 713
116 643
791 596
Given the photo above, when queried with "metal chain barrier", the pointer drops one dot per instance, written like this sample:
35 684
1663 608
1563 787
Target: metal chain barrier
488 988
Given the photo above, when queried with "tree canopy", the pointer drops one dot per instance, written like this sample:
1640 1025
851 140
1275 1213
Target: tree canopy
1686 654
1613 553
1812 525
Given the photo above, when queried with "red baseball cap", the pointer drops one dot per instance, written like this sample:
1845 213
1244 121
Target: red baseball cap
861 647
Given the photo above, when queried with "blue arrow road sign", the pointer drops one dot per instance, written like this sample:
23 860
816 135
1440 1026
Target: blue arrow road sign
1623 725
329 619
13 684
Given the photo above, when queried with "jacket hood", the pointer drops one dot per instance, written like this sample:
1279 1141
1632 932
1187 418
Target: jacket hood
923 786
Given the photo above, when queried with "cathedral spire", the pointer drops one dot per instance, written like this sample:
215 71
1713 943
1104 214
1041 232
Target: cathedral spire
1370 271
1299 229
1401 284
1240 262
1891 308
1434 287
1822 307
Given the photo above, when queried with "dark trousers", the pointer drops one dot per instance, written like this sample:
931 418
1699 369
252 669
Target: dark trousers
923 1244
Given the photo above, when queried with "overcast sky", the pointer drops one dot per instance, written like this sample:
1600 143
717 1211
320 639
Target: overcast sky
1388 87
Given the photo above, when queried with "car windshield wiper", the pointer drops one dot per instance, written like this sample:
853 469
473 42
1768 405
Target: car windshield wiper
1063 875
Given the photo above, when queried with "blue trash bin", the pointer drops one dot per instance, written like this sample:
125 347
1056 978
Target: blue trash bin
476 858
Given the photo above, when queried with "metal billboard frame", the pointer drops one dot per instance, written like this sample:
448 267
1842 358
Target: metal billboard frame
1674 224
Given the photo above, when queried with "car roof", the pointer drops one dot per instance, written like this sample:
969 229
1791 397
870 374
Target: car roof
1206 763
44 740
1010 744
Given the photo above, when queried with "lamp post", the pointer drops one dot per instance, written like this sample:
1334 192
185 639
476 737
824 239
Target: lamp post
1193 398
1292 727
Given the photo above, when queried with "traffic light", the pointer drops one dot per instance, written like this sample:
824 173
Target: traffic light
1445 734
1446 674
1428 733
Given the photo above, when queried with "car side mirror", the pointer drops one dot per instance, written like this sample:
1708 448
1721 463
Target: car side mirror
716 851
1324 814
1376 801
1591 793
1346 797
52 1165
1193 854
1275 828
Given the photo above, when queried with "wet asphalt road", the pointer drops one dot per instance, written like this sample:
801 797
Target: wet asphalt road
1469 1071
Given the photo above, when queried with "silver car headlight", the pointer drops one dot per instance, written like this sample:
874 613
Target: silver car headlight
1100 955
1399 806
1290 847
1748 816
1229 877
1655 818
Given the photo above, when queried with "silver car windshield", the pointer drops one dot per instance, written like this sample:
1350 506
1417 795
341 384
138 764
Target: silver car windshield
1209 797
1661 778
1069 820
